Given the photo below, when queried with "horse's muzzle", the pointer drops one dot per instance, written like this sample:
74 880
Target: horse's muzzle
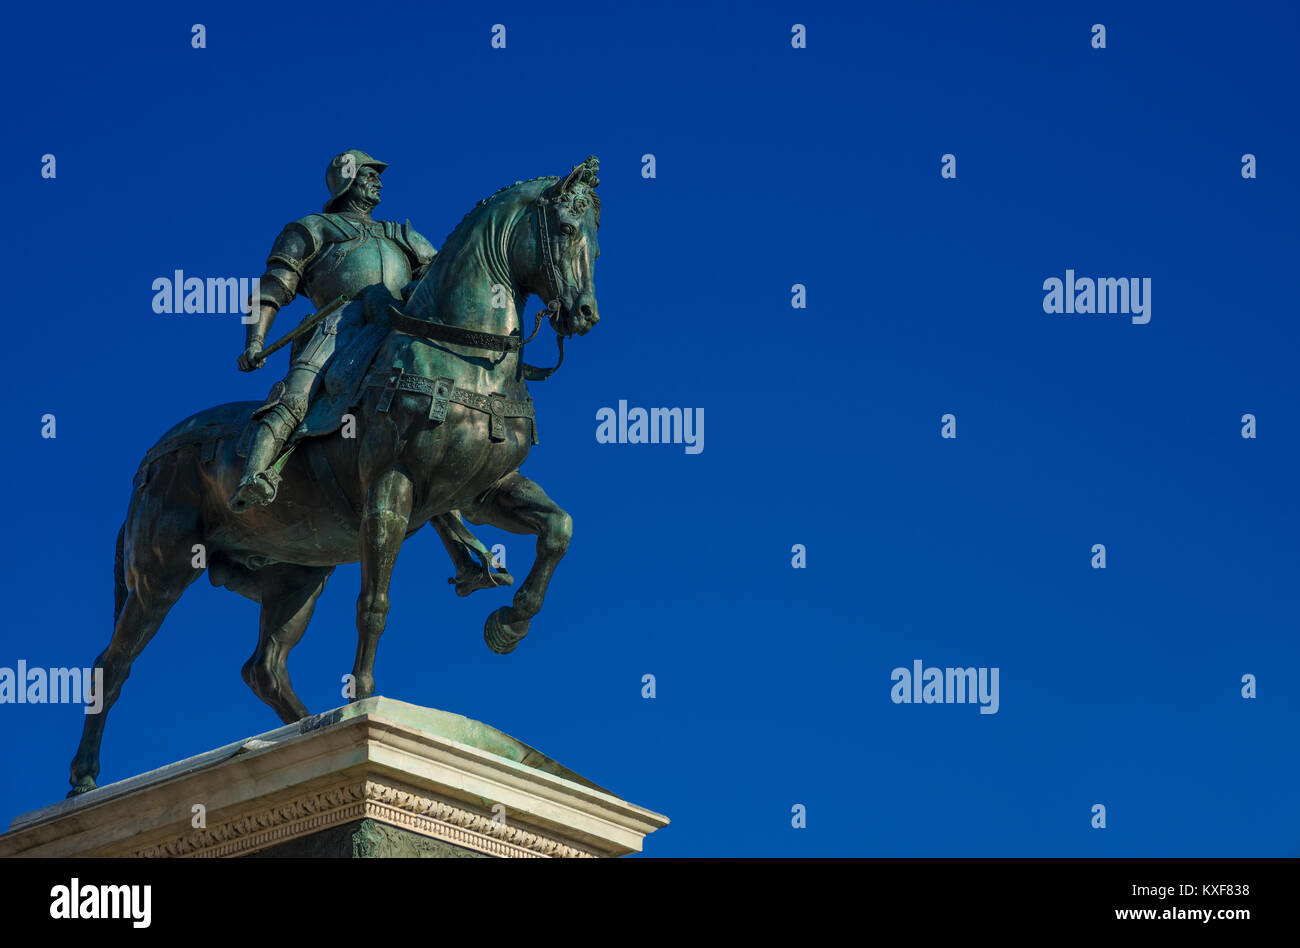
577 320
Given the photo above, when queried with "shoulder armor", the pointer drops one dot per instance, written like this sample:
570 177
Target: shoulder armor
420 249
331 228
295 246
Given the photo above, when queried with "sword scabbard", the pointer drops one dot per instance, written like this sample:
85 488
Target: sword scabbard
308 324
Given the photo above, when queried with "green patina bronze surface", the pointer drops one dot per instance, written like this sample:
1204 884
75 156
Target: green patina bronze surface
426 354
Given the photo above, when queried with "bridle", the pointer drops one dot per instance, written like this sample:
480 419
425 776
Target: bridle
553 281
549 269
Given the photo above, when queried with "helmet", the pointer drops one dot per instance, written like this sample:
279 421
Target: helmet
342 171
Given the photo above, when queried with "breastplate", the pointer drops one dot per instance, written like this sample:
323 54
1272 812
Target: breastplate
353 264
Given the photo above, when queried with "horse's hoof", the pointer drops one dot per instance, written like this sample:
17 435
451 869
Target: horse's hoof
84 785
502 637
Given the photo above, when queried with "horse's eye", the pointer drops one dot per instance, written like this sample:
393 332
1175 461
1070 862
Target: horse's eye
567 230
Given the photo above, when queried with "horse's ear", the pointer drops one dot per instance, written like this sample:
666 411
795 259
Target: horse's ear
562 187
587 171
584 173
566 186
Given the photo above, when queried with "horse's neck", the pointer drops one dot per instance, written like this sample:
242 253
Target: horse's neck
463 283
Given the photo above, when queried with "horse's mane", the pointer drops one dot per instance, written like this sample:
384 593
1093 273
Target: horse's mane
550 178
456 232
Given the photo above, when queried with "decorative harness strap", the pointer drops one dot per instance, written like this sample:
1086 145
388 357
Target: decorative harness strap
441 332
443 391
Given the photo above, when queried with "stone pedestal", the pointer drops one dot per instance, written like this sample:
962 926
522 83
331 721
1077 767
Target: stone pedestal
374 778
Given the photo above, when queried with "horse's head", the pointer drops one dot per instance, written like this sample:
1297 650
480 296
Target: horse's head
568 217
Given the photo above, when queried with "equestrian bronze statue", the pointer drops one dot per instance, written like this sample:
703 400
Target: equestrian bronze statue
417 409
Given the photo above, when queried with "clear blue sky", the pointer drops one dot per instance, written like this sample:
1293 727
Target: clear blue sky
775 166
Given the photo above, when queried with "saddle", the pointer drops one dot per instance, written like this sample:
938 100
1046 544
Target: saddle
341 385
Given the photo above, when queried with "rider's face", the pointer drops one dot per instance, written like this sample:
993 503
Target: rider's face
367 186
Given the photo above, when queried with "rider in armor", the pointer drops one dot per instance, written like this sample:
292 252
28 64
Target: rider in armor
322 256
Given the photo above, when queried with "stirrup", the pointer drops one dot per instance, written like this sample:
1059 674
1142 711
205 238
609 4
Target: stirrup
482 577
258 489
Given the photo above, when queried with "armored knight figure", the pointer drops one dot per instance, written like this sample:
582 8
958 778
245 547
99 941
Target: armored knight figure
342 251
321 256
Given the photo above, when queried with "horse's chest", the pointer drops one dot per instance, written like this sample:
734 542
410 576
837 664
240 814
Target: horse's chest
452 462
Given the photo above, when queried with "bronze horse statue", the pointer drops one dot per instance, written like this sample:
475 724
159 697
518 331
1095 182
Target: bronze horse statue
443 422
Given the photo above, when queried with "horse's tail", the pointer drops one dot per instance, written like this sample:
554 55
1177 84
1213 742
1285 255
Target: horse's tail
119 577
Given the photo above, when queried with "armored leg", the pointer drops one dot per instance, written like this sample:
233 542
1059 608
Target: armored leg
285 408
462 546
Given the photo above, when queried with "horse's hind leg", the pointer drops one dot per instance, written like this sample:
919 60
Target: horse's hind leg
160 570
521 506
288 596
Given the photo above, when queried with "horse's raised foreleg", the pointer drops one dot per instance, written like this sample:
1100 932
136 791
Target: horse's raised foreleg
288 596
383 527
521 506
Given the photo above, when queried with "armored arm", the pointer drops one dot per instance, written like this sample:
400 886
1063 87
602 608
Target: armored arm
289 257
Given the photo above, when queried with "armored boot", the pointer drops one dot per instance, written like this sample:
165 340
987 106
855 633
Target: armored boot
462 546
279 417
